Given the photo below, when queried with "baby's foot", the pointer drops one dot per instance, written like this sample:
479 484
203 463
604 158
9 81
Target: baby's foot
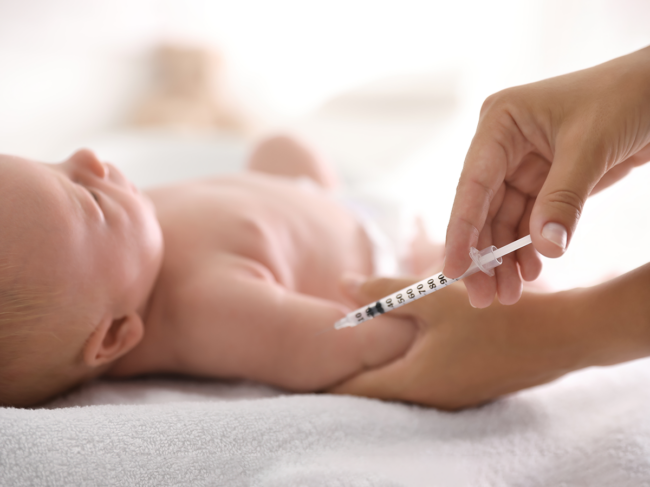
287 156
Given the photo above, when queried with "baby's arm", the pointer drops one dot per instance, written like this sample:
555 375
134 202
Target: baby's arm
267 333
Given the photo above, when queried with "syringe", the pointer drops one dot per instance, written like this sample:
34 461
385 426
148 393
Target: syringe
485 260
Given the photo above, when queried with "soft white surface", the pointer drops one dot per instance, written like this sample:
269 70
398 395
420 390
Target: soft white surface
591 428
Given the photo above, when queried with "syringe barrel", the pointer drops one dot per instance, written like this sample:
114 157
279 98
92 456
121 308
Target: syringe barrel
485 261
399 298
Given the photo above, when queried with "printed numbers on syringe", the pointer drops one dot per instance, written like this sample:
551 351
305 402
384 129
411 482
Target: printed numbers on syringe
404 296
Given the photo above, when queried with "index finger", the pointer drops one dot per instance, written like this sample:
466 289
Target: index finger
483 172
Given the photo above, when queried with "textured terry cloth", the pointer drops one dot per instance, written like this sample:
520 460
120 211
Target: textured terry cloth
591 428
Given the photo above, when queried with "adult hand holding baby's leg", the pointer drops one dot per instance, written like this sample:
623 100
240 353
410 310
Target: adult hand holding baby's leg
464 356
461 357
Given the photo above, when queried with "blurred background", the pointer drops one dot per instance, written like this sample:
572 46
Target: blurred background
389 90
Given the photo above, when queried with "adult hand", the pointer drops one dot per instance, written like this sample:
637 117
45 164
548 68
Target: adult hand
539 151
464 356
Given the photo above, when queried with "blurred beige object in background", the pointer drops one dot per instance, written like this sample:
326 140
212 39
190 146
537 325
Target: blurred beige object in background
374 128
191 91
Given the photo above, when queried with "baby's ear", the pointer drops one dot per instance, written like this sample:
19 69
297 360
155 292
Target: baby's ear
112 339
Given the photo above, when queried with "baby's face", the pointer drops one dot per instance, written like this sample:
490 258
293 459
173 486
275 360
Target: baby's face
81 229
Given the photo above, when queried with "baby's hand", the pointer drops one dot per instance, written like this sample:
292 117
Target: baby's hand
464 356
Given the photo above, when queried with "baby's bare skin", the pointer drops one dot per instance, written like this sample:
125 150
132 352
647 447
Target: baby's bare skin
250 275
231 277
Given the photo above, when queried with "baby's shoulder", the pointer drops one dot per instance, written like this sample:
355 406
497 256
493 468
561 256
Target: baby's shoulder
217 284
223 268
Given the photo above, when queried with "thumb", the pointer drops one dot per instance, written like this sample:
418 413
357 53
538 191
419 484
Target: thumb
388 382
576 169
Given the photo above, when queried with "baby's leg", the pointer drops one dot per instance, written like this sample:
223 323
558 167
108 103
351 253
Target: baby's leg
286 156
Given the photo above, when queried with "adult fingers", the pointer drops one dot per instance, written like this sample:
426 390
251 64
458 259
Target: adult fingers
476 188
528 179
412 378
530 265
578 165
421 376
505 227
383 383
497 146
482 288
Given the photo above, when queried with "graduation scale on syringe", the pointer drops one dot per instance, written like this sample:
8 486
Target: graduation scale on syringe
485 260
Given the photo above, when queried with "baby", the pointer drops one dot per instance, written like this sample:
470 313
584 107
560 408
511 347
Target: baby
231 277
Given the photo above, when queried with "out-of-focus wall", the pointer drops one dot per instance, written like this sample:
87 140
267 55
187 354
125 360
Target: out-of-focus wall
76 66
67 67
71 72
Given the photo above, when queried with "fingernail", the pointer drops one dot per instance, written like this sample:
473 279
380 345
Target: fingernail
351 282
470 302
555 233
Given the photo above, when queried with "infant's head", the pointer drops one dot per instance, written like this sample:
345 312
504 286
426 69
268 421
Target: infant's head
80 250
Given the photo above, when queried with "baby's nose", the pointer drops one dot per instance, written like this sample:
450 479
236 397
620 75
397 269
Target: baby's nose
87 160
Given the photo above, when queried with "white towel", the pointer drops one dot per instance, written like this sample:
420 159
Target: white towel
591 428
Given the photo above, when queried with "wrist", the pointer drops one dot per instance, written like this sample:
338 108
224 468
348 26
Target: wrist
616 315
601 325
544 332
553 327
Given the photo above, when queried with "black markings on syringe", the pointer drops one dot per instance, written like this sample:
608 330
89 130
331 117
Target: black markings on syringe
377 309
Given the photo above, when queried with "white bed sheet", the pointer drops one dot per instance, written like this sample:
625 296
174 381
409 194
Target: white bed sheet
591 428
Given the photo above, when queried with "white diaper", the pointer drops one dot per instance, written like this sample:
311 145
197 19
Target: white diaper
390 229
387 224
